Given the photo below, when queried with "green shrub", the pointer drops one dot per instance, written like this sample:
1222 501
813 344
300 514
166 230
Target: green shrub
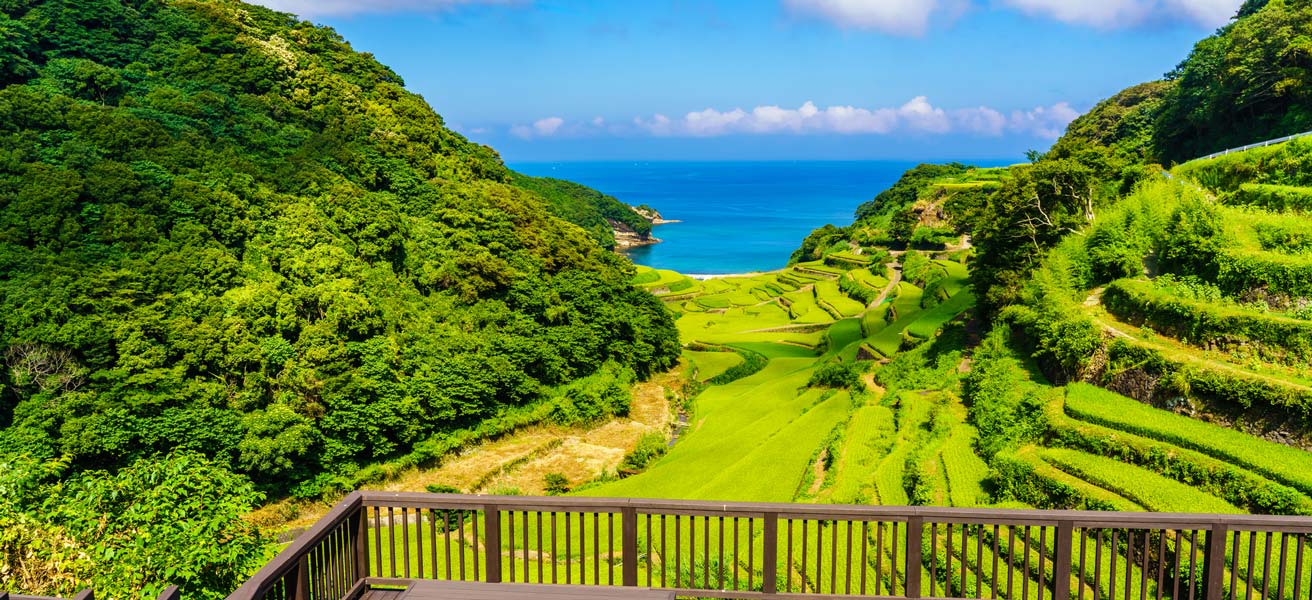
752 363
856 290
844 375
920 270
1019 478
651 446
555 484
593 398
1243 391
936 293
1279 198
1006 406
153 523
1289 163
932 238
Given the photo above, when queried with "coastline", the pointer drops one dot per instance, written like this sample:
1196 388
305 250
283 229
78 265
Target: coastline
706 276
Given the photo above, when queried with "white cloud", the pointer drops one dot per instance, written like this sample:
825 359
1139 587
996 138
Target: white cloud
917 116
318 8
1045 122
1115 14
982 120
540 128
547 126
897 17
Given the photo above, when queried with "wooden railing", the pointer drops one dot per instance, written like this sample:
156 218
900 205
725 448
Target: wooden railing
749 550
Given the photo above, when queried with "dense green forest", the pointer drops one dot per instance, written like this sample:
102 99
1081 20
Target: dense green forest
236 252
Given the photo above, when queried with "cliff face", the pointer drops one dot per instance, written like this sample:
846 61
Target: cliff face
627 237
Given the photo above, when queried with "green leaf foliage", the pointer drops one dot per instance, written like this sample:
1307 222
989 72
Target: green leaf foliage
222 230
171 520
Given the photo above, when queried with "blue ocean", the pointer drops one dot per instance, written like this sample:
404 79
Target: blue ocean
736 217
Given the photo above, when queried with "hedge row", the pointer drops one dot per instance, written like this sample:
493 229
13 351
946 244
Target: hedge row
856 290
1240 270
1279 198
1027 479
1235 485
1154 492
1289 163
752 363
1284 464
1245 391
1280 339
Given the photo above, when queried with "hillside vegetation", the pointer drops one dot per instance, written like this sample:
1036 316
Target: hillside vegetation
239 260
230 243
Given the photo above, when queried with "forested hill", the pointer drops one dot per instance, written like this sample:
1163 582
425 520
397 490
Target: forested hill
223 230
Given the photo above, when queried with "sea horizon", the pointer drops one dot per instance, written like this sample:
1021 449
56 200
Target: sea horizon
735 216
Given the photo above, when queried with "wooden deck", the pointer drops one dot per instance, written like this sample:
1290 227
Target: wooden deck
494 547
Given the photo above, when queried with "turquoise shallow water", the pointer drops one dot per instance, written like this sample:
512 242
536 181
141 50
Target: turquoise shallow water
737 217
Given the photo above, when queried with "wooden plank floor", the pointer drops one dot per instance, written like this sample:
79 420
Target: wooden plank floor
372 594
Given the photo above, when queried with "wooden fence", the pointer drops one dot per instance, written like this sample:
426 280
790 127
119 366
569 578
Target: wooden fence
751 550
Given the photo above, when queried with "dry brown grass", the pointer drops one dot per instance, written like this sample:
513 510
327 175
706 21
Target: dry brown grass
521 460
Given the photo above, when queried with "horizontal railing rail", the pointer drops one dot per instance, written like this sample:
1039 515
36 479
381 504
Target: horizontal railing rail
1279 140
756 550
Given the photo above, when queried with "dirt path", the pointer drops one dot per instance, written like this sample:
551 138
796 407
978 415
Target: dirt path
892 285
869 380
521 459
818 473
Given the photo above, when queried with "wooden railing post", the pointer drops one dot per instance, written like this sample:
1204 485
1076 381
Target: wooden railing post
170 593
1061 576
915 554
301 590
1214 565
770 555
629 545
359 527
492 542
289 584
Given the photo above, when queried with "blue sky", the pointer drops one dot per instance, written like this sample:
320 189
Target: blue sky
768 79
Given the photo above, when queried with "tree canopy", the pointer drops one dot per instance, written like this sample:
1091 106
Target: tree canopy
222 230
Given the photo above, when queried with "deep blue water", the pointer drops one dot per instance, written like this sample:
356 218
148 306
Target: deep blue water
736 217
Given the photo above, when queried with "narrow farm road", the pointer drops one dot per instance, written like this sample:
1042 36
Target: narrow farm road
892 285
